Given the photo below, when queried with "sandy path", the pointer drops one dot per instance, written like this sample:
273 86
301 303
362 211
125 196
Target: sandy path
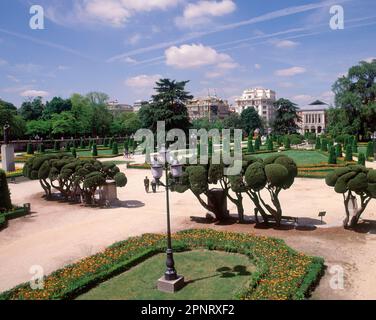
58 233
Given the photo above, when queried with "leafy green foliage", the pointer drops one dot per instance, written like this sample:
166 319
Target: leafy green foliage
5 201
286 117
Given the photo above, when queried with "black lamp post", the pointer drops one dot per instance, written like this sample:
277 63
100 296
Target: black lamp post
171 282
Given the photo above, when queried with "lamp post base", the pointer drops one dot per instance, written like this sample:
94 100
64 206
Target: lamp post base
170 286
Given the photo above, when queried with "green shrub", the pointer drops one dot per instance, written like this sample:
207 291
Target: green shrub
269 144
354 146
41 148
74 153
115 149
250 148
332 156
339 150
5 201
68 148
370 150
82 144
126 145
318 144
276 174
287 142
324 145
361 159
349 156
56 145
257 144
94 151
30 148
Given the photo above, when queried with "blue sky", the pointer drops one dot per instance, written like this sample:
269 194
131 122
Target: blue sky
122 46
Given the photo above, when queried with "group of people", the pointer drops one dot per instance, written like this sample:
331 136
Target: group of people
153 185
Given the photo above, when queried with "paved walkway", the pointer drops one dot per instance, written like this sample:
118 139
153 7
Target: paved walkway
58 233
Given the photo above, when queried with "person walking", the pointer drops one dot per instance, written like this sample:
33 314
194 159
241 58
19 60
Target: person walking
154 186
147 184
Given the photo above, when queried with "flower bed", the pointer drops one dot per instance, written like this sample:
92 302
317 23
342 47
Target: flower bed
282 273
14 174
144 166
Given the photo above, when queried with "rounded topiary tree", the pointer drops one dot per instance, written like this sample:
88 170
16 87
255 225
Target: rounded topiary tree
353 181
94 150
5 201
354 146
74 153
30 148
370 150
82 144
105 142
250 148
332 156
115 149
349 156
362 159
275 173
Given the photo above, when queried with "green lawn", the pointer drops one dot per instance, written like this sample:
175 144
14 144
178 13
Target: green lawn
210 275
300 157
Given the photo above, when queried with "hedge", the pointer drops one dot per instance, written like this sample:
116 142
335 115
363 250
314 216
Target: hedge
13 214
282 273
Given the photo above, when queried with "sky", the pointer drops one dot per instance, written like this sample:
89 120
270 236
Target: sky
121 47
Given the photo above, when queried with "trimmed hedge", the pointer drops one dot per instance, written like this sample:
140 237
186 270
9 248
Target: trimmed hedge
282 273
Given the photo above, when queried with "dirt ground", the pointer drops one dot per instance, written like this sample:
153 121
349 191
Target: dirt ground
59 233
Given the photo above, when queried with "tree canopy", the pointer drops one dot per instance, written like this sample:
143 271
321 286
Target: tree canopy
286 117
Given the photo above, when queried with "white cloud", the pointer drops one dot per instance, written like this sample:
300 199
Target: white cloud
34 93
290 72
257 66
370 59
134 39
143 84
195 56
202 11
286 84
13 78
115 13
285 44
62 68
130 60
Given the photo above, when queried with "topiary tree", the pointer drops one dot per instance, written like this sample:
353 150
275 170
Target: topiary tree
74 153
111 142
105 142
349 156
94 151
339 150
68 147
250 148
370 150
275 173
115 149
332 156
353 181
362 159
354 146
210 147
318 144
5 201
30 148
130 145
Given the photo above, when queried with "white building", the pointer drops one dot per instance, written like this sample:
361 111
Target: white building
260 99
115 107
210 107
138 104
313 117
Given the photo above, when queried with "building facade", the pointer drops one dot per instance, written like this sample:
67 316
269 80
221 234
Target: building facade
116 108
260 99
210 107
138 104
313 118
